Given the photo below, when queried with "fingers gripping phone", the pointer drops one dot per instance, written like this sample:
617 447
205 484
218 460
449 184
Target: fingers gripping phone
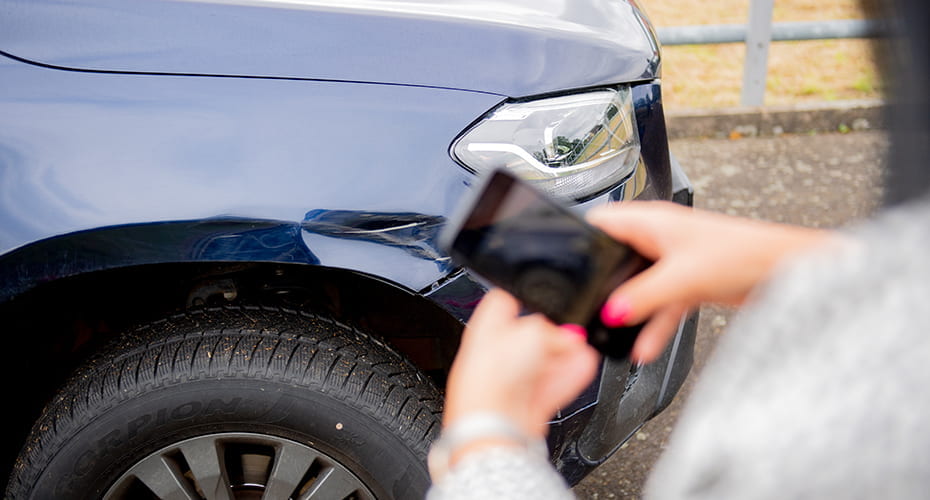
554 262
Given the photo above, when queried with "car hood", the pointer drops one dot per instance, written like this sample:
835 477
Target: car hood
512 48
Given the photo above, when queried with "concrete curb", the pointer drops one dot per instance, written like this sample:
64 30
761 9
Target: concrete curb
840 116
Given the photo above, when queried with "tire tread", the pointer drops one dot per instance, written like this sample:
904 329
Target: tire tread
259 342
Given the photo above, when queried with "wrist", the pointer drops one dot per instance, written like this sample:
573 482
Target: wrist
476 432
515 409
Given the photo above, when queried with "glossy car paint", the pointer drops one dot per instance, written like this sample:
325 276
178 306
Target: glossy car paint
86 150
133 135
237 155
514 48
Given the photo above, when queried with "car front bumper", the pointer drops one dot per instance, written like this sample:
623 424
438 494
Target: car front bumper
626 396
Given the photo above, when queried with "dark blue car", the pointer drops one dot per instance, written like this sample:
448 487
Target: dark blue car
219 275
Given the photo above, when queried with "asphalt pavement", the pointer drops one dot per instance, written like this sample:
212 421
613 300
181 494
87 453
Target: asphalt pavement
826 180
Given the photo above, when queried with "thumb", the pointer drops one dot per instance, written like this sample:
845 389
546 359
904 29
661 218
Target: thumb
635 223
494 306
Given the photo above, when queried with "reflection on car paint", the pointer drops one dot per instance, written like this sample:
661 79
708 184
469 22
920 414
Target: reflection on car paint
219 239
412 232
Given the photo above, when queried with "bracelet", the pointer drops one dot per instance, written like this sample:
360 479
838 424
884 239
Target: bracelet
473 427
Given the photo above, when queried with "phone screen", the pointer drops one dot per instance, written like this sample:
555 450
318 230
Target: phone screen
549 258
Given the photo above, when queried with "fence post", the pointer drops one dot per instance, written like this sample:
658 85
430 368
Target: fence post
758 38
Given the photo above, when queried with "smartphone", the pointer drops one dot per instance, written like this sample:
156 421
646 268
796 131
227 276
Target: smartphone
555 263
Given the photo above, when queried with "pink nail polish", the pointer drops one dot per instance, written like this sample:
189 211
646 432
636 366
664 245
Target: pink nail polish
576 329
616 312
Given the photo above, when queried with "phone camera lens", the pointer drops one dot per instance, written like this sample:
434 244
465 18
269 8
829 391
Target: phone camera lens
545 290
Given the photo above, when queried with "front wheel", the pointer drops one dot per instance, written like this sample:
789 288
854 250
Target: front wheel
236 404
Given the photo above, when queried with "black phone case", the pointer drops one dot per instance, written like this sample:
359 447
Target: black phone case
613 342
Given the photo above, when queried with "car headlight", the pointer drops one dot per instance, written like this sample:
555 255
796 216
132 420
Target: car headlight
574 146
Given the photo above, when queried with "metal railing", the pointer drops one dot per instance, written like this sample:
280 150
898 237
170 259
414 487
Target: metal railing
758 33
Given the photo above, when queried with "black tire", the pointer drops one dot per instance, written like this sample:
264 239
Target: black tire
246 383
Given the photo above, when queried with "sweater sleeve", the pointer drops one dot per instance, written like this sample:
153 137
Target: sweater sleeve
820 389
501 473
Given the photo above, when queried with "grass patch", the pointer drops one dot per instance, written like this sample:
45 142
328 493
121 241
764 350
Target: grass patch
711 75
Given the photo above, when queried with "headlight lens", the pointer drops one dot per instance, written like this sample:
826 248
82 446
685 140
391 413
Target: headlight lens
572 146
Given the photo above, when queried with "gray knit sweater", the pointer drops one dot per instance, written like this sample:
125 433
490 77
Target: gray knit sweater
820 390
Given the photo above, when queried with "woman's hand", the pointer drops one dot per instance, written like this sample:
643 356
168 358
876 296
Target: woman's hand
523 368
699 257
526 368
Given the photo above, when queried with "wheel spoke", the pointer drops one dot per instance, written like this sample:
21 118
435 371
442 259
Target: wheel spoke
204 457
332 484
290 466
232 465
164 478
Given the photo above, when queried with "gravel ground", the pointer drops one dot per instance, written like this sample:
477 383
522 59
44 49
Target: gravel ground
826 180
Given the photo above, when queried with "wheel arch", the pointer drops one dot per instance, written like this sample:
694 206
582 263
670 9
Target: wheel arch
55 326
131 273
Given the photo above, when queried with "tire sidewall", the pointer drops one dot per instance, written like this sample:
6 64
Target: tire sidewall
112 439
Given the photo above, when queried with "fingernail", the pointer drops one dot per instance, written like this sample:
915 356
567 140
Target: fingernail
576 329
616 312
